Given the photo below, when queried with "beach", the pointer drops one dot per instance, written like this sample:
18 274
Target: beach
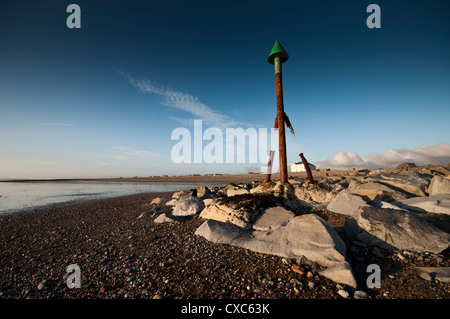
122 253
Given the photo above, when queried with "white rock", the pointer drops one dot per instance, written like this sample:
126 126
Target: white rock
346 203
438 204
439 185
341 273
396 229
160 200
188 206
165 218
306 235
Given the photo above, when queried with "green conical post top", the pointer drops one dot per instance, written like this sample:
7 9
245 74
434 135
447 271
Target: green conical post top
277 50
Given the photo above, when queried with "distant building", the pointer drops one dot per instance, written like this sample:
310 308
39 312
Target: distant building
299 167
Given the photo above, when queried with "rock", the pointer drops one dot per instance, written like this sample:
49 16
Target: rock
359 294
439 185
382 204
188 206
42 285
306 235
344 294
172 202
285 193
239 191
185 193
203 192
413 183
315 194
404 167
395 229
160 200
239 210
432 273
208 201
272 218
341 273
346 203
438 204
375 190
166 218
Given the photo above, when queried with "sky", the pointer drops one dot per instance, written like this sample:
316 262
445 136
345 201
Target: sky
104 100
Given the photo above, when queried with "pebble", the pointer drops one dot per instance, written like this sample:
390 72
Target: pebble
157 296
359 294
311 284
42 284
343 293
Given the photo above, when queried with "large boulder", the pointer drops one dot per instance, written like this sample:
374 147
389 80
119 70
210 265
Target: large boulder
395 229
438 204
413 183
375 190
307 236
439 185
346 203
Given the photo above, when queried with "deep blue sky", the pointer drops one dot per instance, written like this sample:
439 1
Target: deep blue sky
68 107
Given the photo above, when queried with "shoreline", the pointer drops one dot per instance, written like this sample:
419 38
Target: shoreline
208 178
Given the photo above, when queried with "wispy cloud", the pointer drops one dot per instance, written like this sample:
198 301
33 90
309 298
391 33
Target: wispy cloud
127 154
183 102
55 124
422 155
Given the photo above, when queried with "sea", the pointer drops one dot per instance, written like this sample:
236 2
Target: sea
20 196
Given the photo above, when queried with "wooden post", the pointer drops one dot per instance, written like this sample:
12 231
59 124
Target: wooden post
307 169
269 166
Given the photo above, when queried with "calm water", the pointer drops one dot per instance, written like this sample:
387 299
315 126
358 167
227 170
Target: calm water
25 195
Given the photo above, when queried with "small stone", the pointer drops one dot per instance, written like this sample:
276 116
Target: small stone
343 293
42 284
157 296
296 290
295 281
311 284
400 256
359 294
309 274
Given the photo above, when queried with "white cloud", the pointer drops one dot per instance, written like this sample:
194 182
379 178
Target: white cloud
184 102
422 155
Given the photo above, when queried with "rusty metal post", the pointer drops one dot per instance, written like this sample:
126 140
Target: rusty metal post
307 169
277 56
269 166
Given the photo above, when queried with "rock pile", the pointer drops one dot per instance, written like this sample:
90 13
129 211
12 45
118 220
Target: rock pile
278 219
